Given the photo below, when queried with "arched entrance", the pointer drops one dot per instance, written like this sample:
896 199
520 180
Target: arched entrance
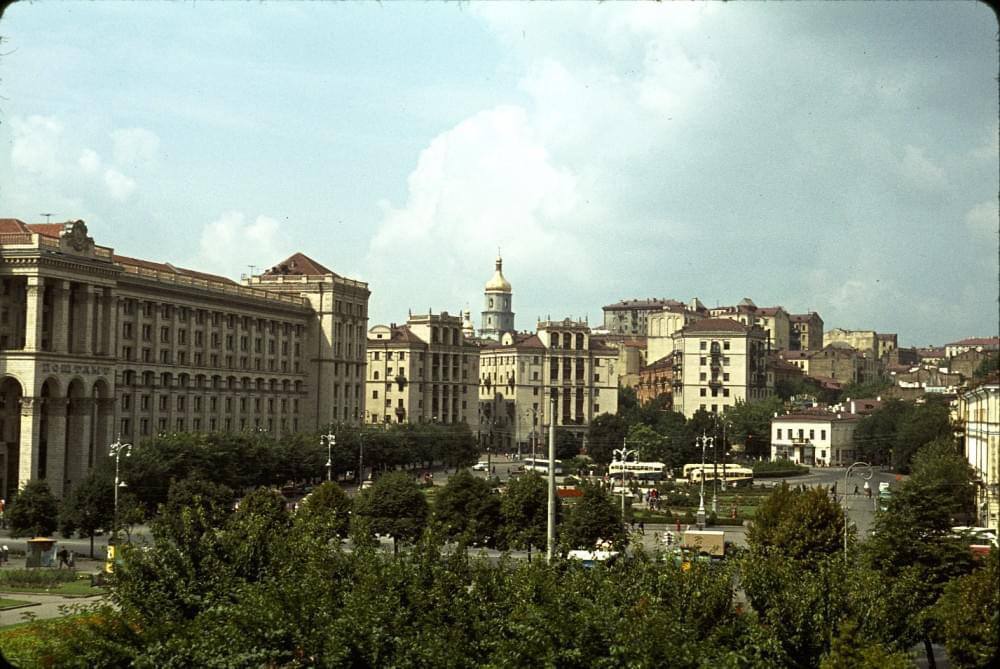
11 393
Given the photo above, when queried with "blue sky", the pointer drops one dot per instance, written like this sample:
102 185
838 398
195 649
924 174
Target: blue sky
837 157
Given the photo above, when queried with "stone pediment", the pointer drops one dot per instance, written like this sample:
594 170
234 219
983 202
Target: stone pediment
74 239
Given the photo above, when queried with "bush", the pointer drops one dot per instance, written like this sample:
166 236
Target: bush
778 469
36 578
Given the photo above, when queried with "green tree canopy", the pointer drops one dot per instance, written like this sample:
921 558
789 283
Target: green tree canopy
89 506
967 616
524 510
468 511
326 510
800 524
592 518
606 433
989 365
33 511
394 506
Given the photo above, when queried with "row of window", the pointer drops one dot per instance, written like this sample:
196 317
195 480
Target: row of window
812 434
130 306
213 425
197 403
130 377
198 359
215 339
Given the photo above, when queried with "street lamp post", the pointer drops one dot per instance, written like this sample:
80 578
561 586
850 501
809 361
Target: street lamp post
622 456
331 439
115 450
700 518
551 524
847 474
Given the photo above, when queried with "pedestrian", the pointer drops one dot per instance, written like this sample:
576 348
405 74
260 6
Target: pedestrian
72 560
855 488
642 527
4 554
678 528
63 556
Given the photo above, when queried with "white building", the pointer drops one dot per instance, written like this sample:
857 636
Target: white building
814 438
979 415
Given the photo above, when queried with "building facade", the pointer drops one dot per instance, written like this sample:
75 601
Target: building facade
497 315
631 317
716 363
864 342
814 438
656 380
988 344
806 333
424 371
664 324
96 346
979 416
518 373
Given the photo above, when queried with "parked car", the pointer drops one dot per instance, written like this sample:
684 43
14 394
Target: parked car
480 467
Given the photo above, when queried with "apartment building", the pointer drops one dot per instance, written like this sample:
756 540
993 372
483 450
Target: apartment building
981 344
423 371
806 333
979 418
96 346
518 373
664 324
865 342
656 380
630 317
716 363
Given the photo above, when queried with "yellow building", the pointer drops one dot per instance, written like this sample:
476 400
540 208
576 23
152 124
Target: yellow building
806 333
95 346
517 374
979 416
716 363
424 371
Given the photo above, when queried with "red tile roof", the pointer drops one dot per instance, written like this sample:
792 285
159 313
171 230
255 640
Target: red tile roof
715 325
170 269
977 341
47 229
299 264
12 226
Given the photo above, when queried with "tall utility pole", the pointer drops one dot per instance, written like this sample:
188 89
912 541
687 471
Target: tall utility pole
715 480
700 518
551 525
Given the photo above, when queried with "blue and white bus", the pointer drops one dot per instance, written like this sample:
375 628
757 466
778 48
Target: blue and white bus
541 465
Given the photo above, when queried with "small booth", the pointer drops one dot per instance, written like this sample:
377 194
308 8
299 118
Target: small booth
41 552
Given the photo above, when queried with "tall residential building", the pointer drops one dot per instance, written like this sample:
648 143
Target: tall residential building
806 333
96 346
774 321
865 342
630 317
424 371
497 316
979 418
518 373
663 324
717 362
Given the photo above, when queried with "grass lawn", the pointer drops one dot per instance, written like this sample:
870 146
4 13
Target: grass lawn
78 588
11 603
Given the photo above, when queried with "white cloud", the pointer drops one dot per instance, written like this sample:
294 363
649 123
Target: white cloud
231 243
135 146
920 170
36 145
983 220
119 185
89 161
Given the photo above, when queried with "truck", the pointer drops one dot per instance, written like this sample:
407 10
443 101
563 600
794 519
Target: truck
709 542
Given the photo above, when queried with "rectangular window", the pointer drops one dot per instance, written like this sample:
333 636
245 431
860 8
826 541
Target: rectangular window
822 434
702 346
779 433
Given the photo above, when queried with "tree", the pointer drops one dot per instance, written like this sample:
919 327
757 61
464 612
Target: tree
801 525
216 499
255 536
90 506
606 433
912 546
849 651
468 511
524 510
326 510
33 511
593 518
968 616
568 444
897 430
751 424
394 506
989 365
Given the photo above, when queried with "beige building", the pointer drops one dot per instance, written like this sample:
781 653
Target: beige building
424 371
95 346
864 342
631 317
839 363
656 380
718 362
979 416
806 333
517 374
664 324
888 342
981 344
814 438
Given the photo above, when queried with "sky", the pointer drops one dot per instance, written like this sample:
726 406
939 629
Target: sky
832 157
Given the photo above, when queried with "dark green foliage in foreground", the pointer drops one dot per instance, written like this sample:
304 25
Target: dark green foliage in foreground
33 511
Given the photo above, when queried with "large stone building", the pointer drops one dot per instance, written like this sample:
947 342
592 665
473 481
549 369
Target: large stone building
664 324
816 437
864 342
656 380
979 418
774 321
981 344
517 374
497 316
806 333
718 362
424 371
630 317
96 346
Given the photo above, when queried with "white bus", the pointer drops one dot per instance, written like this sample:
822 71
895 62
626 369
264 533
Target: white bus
541 465
730 475
640 471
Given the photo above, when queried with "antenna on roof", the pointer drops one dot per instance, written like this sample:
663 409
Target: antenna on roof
48 217
252 268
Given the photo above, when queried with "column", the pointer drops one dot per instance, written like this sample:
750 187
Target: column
31 415
97 324
60 317
55 465
104 426
110 325
85 321
33 313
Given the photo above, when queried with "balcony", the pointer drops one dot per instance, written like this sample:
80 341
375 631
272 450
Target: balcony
801 441
400 412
